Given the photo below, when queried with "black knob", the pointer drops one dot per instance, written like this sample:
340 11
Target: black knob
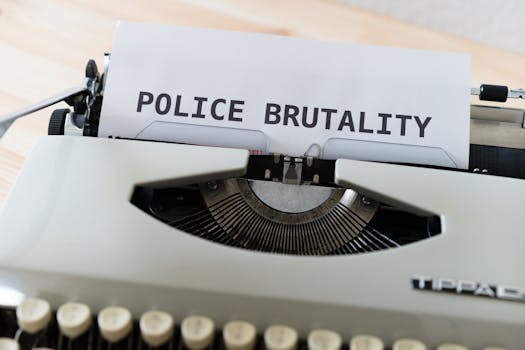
496 93
91 69
57 121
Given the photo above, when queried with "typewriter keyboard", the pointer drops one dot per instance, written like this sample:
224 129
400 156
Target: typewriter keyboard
34 325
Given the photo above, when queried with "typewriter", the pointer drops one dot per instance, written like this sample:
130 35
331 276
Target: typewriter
131 244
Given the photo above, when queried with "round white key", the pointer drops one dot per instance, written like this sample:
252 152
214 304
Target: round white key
9 344
74 319
324 339
366 342
33 315
451 347
197 332
279 337
115 323
156 327
408 344
239 335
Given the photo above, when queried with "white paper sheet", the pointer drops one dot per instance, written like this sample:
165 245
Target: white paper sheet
285 95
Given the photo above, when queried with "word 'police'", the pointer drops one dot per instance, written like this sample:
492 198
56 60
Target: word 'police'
163 106
287 115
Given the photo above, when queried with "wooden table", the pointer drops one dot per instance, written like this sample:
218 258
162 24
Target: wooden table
44 46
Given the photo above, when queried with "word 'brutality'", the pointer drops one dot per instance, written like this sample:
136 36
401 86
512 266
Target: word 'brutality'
286 115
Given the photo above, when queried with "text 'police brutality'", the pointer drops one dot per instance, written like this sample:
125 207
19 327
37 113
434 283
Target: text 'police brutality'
230 110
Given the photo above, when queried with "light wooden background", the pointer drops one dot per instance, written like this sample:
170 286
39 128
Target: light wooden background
44 46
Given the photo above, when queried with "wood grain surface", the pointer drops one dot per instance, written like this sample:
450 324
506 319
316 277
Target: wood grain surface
44 46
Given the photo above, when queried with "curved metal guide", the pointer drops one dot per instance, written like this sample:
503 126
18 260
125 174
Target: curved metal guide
7 120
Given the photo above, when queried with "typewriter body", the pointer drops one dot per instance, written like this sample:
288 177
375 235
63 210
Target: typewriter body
390 250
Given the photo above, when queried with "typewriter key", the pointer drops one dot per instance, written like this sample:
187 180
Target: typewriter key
156 327
239 335
324 339
408 344
197 332
115 323
280 337
33 315
74 319
366 342
9 344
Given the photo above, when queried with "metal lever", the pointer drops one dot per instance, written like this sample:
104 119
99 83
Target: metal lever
292 170
7 120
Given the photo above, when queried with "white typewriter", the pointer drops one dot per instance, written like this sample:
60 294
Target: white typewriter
131 244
